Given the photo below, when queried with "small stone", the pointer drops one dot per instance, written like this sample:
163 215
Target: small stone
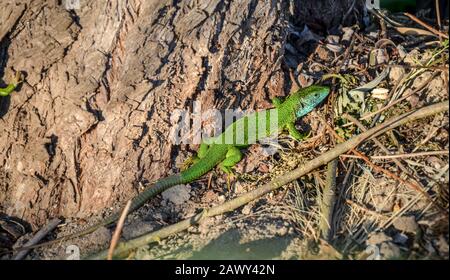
406 224
377 238
442 246
246 210
177 194
282 231
396 73
400 238
380 93
210 196
373 34
263 168
137 229
252 232
389 250
238 187
348 33
435 162
413 100
378 56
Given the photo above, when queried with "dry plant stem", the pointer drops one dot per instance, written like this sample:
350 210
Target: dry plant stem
387 172
379 144
37 238
328 201
432 132
426 25
397 178
438 16
421 154
371 212
406 66
118 231
303 169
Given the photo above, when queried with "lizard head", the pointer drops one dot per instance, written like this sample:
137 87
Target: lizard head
310 97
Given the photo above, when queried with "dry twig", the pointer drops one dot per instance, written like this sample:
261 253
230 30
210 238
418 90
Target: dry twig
429 153
37 238
118 231
426 25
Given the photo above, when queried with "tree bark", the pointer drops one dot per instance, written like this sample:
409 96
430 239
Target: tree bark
91 120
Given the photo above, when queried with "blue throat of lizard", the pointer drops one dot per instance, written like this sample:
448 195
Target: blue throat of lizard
310 98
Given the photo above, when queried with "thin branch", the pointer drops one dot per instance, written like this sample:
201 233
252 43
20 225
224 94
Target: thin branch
426 25
421 154
438 16
118 231
37 238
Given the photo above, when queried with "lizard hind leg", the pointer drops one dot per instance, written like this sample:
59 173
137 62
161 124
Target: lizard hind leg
201 153
232 157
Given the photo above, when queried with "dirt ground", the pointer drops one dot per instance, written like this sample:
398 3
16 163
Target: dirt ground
113 79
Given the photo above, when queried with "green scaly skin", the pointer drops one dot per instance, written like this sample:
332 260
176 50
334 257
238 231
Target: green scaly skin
216 153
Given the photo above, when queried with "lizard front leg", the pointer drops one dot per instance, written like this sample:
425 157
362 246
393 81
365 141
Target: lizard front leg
295 133
276 101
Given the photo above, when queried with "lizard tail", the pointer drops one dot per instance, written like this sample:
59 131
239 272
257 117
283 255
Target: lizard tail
136 203
216 155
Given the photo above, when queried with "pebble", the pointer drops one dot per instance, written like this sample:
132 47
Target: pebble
400 238
389 250
377 238
406 224
246 210
177 195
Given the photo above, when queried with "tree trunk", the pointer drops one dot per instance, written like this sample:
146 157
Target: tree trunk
92 119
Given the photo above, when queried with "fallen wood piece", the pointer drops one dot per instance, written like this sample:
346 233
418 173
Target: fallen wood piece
426 25
37 238
328 202
303 169
395 156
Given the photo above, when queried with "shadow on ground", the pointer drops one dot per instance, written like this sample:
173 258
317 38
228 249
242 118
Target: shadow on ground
228 247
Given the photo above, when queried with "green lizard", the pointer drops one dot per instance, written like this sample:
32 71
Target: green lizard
12 86
216 152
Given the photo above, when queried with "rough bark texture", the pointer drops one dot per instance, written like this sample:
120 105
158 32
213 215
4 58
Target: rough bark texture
92 119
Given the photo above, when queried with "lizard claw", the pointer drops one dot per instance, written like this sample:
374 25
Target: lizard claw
230 177
17 79
188 162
